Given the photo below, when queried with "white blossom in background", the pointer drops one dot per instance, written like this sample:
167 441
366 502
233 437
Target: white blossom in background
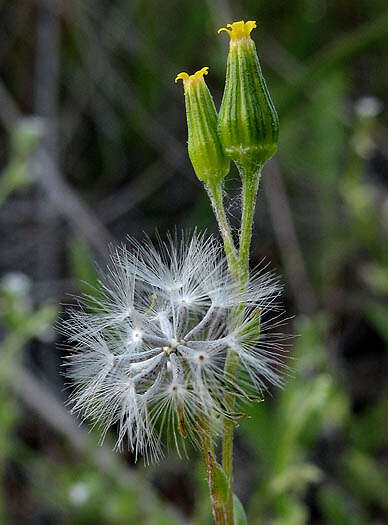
148 354
79 493
368 106
16 283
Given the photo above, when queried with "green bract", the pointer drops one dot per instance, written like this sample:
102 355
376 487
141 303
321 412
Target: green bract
205 151
248 123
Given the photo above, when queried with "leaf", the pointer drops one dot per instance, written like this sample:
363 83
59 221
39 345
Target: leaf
220 485
239 516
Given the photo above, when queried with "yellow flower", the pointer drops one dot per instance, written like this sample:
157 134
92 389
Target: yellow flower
190 79
239 30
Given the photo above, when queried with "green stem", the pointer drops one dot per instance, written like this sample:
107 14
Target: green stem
209 459
215 193
227 439
250 185
239 267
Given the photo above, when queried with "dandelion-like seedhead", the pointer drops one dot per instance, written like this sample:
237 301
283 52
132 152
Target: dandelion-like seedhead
148 354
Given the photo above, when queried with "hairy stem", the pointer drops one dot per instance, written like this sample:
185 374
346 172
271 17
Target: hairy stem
250 184
215 193
209 459
231 366
238 262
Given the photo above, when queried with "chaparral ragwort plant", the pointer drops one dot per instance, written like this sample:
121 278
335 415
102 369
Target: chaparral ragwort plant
178 337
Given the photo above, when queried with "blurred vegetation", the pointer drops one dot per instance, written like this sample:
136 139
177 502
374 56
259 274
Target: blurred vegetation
92 148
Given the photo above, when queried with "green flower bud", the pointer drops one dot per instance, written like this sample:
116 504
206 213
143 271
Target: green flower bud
248 124
205 151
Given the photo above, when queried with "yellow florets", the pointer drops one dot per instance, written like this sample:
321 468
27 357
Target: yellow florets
198 75
239 30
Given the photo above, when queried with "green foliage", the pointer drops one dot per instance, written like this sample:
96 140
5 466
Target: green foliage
220 485
23 142
21 323
239 515
366 479
82 266
338 509
285 430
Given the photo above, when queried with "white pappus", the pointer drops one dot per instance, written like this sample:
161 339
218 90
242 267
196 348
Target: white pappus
148 351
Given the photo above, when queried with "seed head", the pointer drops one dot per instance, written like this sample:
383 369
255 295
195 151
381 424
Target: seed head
148 355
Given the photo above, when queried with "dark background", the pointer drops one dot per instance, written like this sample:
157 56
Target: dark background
93 148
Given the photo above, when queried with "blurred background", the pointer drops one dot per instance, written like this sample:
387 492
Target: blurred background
93 148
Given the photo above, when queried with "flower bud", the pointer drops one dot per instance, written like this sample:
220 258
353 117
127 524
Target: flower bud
205 151
248 123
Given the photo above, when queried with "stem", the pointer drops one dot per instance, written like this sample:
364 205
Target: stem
239 267
215 193
227 439
250 184
209 459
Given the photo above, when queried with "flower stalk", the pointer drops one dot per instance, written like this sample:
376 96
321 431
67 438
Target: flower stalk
215 192
250 184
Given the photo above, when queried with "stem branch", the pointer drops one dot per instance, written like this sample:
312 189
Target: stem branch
215 193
